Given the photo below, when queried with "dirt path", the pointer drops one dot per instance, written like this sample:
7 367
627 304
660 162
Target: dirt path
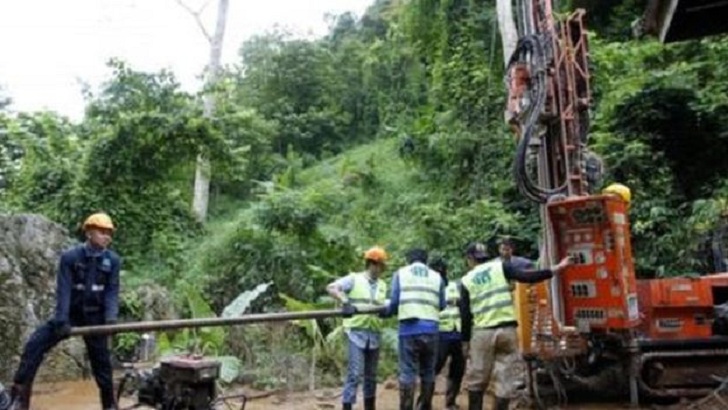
82 395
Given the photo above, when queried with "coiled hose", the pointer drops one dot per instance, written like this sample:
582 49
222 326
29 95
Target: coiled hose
536 46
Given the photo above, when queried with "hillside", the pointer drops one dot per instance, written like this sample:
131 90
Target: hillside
312 224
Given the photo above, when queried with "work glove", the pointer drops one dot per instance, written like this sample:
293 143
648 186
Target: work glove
62 329
348 309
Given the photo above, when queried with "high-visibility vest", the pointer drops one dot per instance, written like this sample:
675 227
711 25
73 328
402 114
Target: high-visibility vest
491 302
450 320
360 297
419 295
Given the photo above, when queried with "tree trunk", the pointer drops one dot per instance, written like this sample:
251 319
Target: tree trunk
508 31
202 172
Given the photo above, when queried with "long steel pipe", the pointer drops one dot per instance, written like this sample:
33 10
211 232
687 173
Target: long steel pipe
212 322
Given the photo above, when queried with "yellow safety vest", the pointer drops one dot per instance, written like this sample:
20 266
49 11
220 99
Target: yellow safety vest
360 297
450 320
491 302
419 295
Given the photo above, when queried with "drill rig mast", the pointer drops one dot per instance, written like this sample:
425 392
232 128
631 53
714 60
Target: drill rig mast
548 109
587 330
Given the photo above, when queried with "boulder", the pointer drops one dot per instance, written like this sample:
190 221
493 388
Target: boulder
30 246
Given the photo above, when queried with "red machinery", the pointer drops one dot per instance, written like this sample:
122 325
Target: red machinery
595 324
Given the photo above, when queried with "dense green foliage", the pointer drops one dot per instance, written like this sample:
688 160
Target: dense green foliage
389 130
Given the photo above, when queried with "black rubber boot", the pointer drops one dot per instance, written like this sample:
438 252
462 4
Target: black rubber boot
346 406
451 395
501 403
108 401
20 397
424 402
475 400
370 403
406 397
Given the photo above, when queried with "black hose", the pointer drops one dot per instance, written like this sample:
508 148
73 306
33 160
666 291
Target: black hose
537 46
532 44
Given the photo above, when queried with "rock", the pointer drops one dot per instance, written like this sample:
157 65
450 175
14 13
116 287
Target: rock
30 246
391 384
157 303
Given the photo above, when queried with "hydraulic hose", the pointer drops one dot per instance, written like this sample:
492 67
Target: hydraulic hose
535 45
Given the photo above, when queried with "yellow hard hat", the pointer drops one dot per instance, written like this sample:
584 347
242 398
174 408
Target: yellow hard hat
98 220
376 254
619 189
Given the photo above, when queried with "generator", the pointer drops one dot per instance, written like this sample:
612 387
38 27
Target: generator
176 383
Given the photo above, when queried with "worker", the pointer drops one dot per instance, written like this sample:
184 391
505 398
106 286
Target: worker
355 291
418 296
622 191
489 323
450 339
506 251
87 294
4 398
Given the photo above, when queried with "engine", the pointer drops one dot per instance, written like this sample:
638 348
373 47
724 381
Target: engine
177 383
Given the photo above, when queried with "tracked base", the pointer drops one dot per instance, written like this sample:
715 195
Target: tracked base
684 368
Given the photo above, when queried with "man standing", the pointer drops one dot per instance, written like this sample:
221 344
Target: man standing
87 294
506 250
356 291
489 314
450 343
418 296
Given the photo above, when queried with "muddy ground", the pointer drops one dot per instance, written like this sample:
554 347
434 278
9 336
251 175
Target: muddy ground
82 395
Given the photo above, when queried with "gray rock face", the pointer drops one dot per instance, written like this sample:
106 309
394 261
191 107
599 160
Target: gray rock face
30 246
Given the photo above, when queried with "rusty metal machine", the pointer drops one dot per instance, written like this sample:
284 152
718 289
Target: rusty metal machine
595 327
189 382
178 383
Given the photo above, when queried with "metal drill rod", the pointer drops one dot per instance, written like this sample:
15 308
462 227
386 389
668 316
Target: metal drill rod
213 321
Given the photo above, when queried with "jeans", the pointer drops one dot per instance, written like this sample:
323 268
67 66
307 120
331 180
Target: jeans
361 362
417 356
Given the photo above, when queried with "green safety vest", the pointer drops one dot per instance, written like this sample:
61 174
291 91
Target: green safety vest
419 295
360 297
491 302
450 317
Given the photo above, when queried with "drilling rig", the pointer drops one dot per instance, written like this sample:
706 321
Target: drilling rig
594 327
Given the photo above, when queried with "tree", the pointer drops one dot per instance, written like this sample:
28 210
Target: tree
201 196
507 28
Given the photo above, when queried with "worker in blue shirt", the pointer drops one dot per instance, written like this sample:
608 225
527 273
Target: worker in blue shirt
418 296
355 291
87 294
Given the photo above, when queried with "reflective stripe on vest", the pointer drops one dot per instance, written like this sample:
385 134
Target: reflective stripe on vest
360 297
491 302
419 292
450 317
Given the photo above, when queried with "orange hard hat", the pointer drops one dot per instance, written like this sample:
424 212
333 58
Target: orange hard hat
376 254
98 220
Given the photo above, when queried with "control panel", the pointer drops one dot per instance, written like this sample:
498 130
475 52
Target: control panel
599 289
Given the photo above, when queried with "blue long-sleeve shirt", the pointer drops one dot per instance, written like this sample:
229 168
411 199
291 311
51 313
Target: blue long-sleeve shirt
87 281
412 327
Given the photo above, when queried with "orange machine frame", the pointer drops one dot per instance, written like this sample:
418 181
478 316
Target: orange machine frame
680 308
600 289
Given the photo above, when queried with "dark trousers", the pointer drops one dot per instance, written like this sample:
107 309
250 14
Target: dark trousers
417 356
454 350
46 337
